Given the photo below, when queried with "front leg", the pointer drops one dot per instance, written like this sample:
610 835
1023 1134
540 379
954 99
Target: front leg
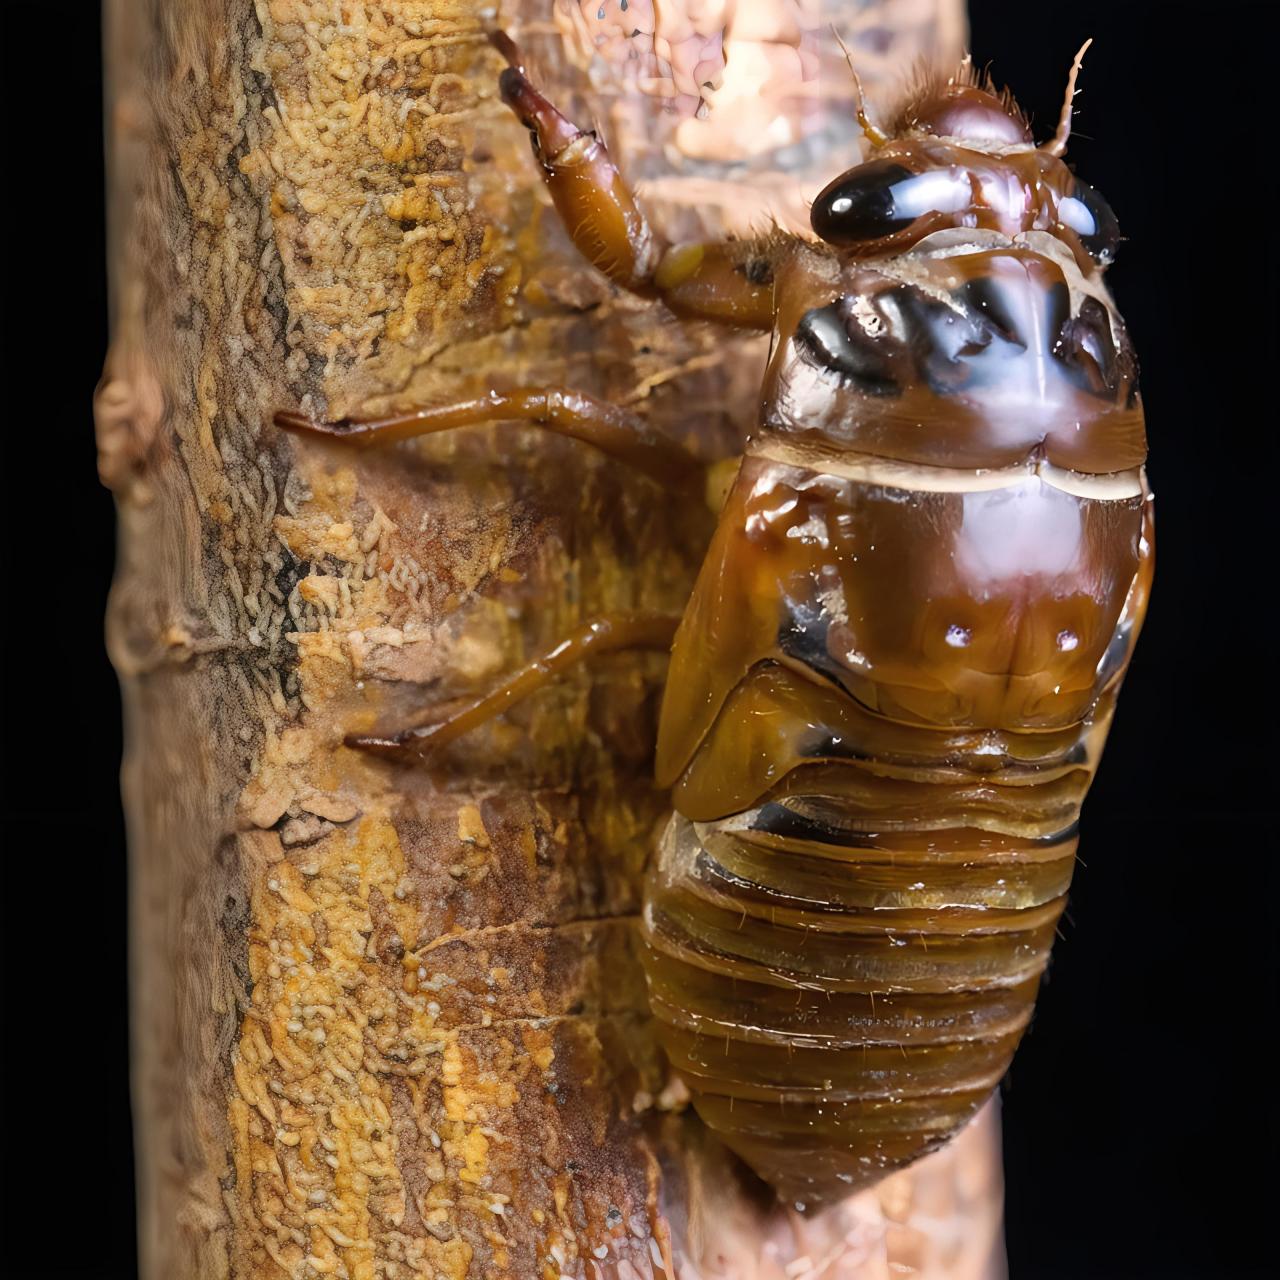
730 281
618 432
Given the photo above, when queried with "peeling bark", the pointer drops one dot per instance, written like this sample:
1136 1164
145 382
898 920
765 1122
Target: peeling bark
388 1022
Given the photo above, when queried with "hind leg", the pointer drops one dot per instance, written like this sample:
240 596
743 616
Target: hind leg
606 634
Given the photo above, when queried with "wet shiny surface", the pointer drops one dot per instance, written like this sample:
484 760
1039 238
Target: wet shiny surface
987 612
891 688
975 352
830 1042
917 186
884 710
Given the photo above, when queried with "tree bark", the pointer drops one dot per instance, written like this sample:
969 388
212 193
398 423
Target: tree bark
388 1022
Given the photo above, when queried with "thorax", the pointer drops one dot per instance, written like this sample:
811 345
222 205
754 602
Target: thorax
973 350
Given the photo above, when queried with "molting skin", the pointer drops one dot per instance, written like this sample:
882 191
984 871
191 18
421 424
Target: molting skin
890 691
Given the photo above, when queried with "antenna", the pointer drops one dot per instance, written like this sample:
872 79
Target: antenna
874 134
1059 143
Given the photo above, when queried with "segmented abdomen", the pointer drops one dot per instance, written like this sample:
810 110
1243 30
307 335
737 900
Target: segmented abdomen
841 1002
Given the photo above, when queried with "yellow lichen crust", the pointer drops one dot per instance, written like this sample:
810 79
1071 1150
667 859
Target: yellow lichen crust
379 115
380 1130
445 1030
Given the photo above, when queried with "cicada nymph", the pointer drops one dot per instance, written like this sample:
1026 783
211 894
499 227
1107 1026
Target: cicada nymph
891 686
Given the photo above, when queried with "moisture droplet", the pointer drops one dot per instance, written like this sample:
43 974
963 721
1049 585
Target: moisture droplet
623 6
1067 640
600 13
957 636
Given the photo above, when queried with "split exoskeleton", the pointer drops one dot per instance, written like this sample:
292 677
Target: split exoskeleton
891 687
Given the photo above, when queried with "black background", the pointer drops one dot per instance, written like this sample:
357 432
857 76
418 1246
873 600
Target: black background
1141 1107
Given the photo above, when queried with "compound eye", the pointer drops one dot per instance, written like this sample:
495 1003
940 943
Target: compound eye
1091 218
882 198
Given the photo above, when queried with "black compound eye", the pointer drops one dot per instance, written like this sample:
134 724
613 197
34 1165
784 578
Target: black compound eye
1091 218
833 343
881 198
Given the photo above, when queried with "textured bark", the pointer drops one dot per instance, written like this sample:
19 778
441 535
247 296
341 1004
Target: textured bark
388 1022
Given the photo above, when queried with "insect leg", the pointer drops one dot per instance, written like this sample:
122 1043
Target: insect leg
729 281
606 634
613 430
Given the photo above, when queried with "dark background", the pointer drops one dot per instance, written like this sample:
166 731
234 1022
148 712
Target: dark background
1141 1106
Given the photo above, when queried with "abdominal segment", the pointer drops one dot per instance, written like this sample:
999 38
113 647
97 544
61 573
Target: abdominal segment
877 776
839 1004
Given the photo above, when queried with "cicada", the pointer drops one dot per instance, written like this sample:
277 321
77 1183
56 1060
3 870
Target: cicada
890 688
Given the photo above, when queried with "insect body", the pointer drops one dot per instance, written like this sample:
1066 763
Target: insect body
890 689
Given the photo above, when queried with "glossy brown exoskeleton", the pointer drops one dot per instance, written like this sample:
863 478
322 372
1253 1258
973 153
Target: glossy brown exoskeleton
891 687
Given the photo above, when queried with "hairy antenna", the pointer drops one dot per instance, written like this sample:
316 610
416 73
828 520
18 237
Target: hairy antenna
874 134
1059 143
